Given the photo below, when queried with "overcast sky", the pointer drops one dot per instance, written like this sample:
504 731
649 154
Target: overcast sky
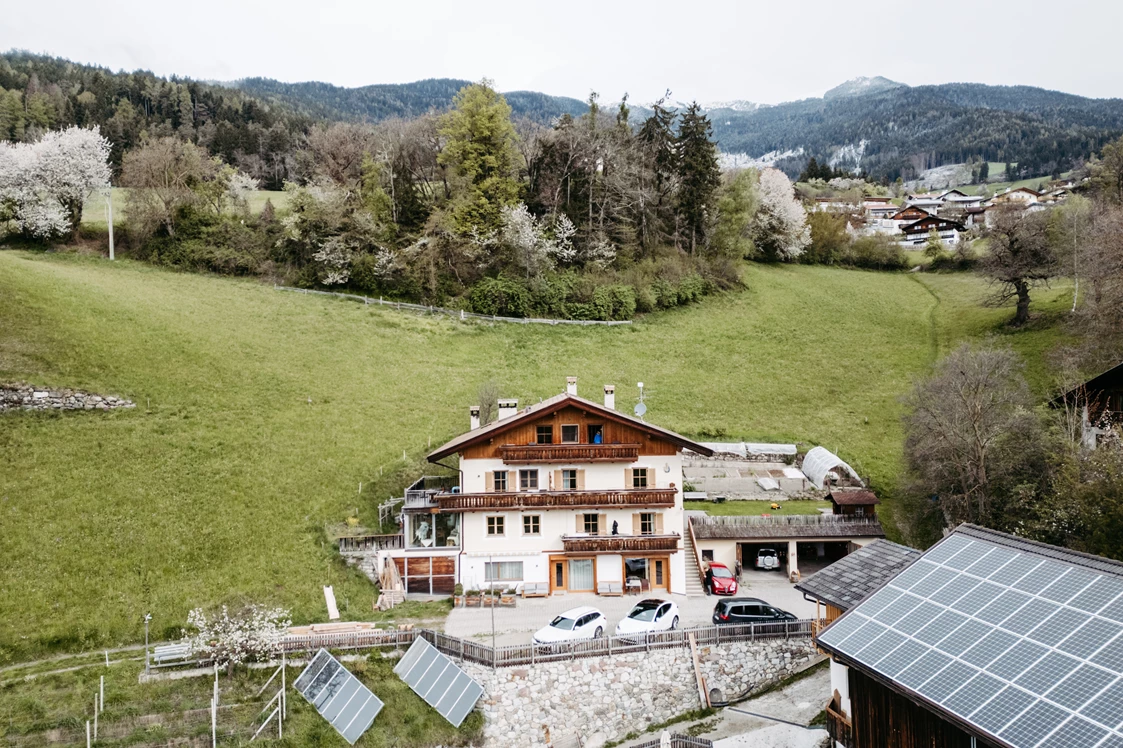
764 51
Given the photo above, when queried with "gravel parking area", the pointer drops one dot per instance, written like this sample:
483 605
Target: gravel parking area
516 625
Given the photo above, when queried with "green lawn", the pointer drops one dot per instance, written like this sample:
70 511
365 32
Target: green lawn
260 412
94 215
64 701
755 508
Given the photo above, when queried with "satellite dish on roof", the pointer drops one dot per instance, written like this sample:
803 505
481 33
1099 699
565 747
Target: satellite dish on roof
640 409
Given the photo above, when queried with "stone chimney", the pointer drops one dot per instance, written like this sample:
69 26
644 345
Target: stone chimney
474 416
571 386
610 396
508 407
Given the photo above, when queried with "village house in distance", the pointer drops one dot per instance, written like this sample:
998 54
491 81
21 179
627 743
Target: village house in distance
567 495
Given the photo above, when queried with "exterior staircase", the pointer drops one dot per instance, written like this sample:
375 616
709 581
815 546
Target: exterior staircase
693 573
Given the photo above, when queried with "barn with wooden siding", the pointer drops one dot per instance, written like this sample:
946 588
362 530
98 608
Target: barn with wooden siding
984 640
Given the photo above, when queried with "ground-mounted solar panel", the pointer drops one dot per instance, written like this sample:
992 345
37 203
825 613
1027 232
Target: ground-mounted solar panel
339 697
1017 640
437 679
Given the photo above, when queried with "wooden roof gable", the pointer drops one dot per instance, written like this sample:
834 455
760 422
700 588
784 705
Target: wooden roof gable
552 405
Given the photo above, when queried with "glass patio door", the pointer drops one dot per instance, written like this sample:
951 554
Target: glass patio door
581 574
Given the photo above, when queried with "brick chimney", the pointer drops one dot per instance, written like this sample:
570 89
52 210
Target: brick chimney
474 416
508 407
571 386
610 396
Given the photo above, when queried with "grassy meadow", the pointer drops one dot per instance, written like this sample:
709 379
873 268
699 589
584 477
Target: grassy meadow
260 412
94 209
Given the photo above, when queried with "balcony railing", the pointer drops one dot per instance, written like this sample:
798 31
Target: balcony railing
620 543
569 452
461 502
369 543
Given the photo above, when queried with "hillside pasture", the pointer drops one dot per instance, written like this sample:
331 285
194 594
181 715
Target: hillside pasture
260 412
94 215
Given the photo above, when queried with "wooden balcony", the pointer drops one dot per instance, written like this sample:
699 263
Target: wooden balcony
569 453
369 543
634 497
620 543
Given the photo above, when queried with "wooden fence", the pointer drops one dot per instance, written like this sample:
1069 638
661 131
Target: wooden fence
530 654
678 741
458 313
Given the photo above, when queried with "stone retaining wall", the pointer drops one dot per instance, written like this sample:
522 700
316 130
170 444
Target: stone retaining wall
606 698
23 396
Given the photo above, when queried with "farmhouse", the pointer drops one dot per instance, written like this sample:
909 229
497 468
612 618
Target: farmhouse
1020 195
916 234
566 495
984 640
1098 403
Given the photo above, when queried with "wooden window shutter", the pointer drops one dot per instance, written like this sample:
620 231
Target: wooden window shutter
580 523
557 481
489 481
580 480
637 527
627 477
602 524
512 480
651 477
659 524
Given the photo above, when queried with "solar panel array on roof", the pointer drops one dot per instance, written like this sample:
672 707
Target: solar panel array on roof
435 678
1025 647
338 696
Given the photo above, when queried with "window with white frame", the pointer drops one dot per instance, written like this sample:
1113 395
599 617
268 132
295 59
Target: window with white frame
569 480
532 524
495 525
528 480
503 571
500 477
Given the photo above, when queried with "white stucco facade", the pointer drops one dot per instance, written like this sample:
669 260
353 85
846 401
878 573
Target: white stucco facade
483 542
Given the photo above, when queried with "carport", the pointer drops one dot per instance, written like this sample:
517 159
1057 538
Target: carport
818 540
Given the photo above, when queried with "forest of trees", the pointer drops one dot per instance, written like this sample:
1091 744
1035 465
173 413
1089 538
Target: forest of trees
590 217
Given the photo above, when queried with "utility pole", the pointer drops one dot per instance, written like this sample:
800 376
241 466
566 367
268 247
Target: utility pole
493 574
109 218
147 618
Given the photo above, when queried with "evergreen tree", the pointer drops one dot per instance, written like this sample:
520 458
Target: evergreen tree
984 171
1009 175
698 172
811 171
656 139
481 151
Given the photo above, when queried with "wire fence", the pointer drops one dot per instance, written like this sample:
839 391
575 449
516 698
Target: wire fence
531 654
457 313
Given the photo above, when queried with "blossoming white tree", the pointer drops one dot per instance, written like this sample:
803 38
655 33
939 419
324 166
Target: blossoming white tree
253 635
43 184
779 229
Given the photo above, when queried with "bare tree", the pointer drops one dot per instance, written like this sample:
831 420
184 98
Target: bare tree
165 175
488 398
961 430
1019 257
337 151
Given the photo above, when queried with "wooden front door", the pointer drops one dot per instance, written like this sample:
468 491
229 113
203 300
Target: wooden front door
660 570
559 574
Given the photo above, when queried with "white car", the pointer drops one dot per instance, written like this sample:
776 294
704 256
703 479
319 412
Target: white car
649 615
767 559
579 623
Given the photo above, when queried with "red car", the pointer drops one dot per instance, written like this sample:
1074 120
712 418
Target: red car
722 581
